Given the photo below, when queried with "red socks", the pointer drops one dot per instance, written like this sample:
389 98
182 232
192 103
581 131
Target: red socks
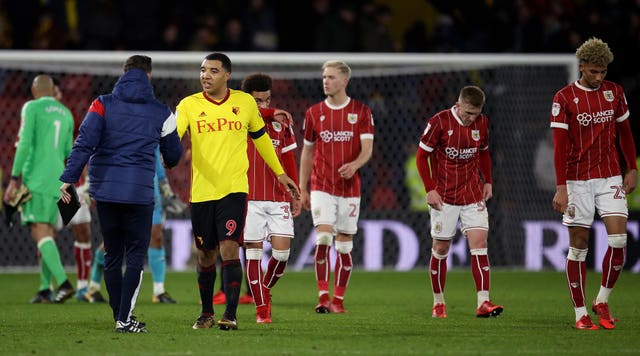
254 276
275 270
576 278
342 272
612 266
83 258
481 271
321 264
438 273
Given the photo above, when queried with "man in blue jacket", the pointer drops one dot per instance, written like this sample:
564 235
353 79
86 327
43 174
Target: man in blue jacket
118 137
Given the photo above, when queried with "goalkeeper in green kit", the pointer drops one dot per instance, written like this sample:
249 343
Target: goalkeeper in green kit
44 142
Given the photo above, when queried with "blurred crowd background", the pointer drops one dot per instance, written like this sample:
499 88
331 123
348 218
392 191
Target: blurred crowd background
319 25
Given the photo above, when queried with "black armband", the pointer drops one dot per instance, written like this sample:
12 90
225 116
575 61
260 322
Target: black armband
257 134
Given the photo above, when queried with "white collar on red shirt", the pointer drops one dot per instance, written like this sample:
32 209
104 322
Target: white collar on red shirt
332 107
580 86
455 115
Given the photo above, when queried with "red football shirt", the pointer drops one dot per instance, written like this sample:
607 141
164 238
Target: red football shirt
455 156
590 116
336 133
263 184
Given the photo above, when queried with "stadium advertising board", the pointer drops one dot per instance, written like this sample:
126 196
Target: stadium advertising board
386 243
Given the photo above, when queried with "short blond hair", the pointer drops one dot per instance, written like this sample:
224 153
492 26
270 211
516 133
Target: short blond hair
595 51
341 66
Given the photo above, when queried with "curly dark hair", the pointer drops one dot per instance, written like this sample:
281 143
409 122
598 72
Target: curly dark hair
256 82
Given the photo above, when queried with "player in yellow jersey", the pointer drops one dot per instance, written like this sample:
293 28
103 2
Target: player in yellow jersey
218 120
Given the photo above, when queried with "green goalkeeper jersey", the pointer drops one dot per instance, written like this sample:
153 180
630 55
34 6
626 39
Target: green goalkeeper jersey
44 142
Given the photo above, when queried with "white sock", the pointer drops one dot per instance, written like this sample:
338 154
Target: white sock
483 296
93 287
438 298
603 295
158 288
580 312
81 283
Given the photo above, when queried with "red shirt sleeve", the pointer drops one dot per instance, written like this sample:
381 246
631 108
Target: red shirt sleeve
560 141
422 162
627 146
289 165
485 165
268 112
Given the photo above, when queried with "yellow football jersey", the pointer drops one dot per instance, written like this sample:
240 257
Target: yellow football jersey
218 131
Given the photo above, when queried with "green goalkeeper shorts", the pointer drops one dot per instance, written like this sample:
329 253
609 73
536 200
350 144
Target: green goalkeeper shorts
40 209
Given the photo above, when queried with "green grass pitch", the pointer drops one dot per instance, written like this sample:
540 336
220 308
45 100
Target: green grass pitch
389 314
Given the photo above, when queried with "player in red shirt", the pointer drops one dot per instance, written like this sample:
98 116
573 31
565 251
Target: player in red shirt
456 141
338 140
588 117
271 209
